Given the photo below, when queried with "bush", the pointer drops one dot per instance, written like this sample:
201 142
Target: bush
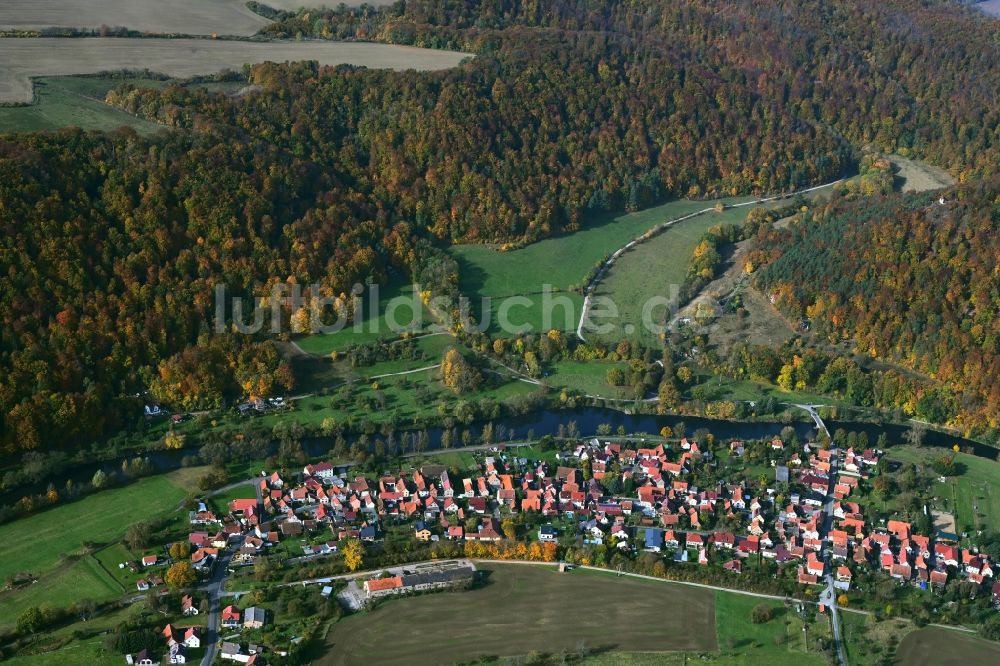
761 614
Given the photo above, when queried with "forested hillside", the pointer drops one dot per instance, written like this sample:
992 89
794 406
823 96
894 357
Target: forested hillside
112 244
911 281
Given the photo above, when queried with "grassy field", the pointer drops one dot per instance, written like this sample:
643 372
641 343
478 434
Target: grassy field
867 641
59 587
401 400
90 652
40 543
589 377
526 608
316 374
532 312
973 496
655 268
396 299
932 646
27 58
563 263
56 646
73 101
111 556
780 641
186 17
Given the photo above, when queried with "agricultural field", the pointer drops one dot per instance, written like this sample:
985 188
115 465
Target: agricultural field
27 58
180 17
536 615
942 647
41 543
973 495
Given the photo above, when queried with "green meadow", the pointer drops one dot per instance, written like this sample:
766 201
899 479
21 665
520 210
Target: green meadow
973 495
564 262
53 544
78 101
391 312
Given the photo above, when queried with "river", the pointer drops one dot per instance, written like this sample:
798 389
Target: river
547 422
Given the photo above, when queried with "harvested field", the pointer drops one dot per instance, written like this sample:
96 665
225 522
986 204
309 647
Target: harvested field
536 614
941 647
26 58
183 17
295 5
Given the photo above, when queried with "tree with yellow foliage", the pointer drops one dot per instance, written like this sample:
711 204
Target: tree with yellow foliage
457 374
173 440
180 575
354 554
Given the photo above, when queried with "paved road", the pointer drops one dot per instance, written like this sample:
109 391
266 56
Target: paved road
214 589
829 596
815 416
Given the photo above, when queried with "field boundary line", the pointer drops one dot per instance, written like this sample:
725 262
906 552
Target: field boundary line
105 570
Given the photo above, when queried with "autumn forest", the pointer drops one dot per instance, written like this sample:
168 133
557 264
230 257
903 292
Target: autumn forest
112 243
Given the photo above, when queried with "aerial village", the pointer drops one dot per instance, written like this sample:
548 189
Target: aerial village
670 501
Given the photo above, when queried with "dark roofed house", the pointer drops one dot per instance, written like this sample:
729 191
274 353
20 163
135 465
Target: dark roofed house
546 533
654 539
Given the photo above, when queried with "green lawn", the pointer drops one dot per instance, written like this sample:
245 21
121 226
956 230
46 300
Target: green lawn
35 543
561 261
463 460
314 374
526 608
64 101
752 643
973 496
717 387
532 312
396 311
113 555
60 647
221 501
